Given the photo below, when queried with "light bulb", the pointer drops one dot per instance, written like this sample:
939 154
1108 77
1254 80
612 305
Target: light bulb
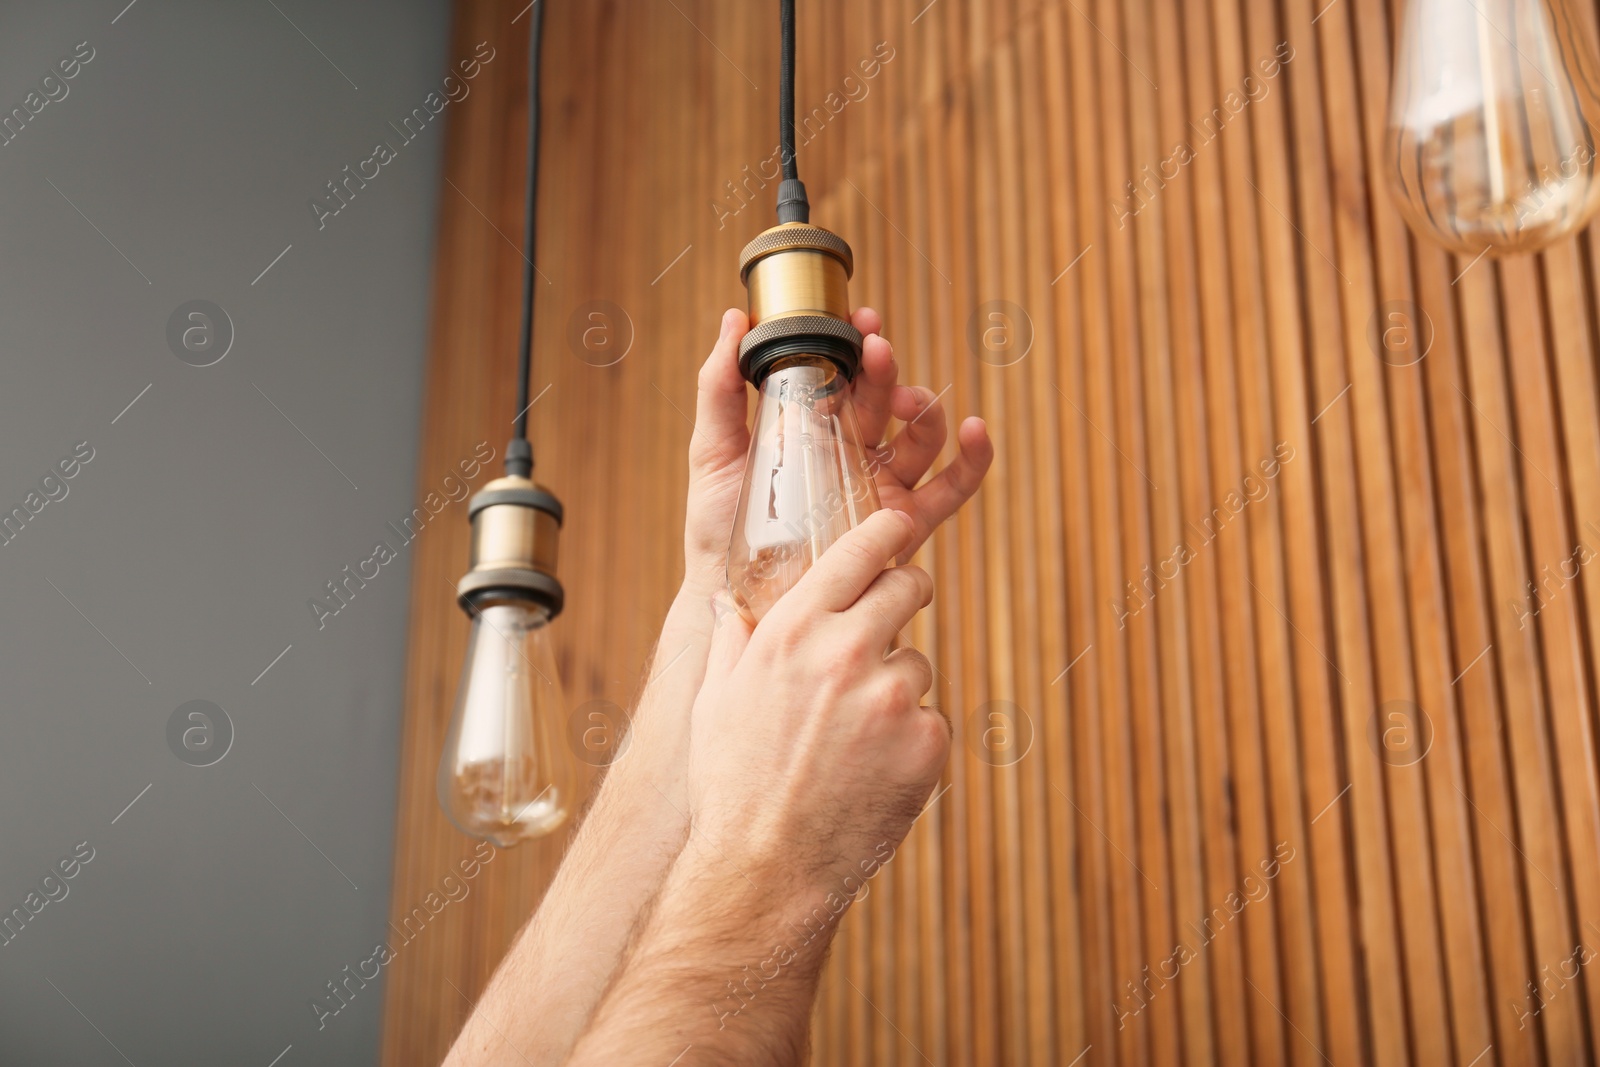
1492 121
503 776
808 479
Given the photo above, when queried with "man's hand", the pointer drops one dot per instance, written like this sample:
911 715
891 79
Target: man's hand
721 442
809 760
809 749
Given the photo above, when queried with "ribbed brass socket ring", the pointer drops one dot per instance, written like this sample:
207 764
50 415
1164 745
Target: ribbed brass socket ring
515 530
791 236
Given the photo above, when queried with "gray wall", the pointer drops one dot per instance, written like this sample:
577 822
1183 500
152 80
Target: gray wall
179 563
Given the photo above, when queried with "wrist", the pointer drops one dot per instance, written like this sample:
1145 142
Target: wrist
801 908
743 928
717 968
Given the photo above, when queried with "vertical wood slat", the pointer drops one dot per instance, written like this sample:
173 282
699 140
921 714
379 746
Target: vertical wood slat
1231 469
1032 914
1301 600
1143 385
1460 928
1348 651
1385 622
1066 544
1186 679
1201 341
1261 455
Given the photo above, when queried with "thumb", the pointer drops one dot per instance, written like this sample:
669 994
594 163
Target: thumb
719 418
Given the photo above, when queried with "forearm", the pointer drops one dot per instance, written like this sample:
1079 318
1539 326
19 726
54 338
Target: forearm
724 969
560 964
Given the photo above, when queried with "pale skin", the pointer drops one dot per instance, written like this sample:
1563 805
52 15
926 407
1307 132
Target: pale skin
649 916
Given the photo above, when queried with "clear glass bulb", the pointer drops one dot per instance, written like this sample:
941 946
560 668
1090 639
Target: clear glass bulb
503 775
1492 123
808 479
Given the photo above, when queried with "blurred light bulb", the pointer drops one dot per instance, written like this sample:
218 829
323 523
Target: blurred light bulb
1492 120
503 776
808 479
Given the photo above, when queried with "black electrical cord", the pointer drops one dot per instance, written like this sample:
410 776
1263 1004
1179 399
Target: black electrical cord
792 205
791 169
519 454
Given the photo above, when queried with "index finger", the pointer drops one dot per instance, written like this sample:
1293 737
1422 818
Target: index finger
842 573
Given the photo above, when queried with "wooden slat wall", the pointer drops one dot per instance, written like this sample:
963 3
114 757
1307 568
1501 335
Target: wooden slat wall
1175 747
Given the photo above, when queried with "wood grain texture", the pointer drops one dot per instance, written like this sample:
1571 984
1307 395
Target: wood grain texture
1225 550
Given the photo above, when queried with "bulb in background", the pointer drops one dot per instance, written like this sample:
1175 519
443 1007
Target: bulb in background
808 479
1492 124
502 775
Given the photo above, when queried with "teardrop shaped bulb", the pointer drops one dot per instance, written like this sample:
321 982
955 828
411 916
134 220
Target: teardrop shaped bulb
504 775
808 479
1492 124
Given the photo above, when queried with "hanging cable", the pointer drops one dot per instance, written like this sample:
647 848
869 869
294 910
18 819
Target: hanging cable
519 454
786 88
792 205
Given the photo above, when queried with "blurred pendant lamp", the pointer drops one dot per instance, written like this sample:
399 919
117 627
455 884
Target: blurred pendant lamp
1492 123
504 775
807 476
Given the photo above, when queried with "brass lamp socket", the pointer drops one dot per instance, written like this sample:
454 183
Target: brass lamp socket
799 300
516 527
